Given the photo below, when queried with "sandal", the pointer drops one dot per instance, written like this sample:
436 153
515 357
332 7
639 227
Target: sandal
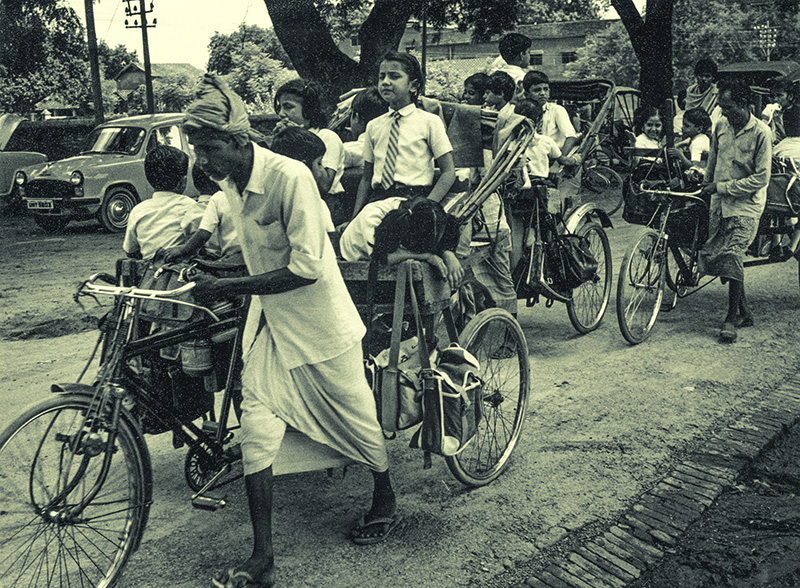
728 333
240 579
361 534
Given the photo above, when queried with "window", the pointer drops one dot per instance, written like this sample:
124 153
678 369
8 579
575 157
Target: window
536 58
568 56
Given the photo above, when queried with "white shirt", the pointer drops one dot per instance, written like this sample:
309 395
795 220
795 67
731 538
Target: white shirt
539 153
699 145
358 238
217 221
556 123
333 158
354 152
165 220
422 140
283 223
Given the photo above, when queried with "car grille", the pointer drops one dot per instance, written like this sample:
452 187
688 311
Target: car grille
49 189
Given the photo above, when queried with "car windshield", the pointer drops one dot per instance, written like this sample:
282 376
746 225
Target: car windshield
125 140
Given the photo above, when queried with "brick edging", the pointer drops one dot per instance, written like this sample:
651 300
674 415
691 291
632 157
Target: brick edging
662 514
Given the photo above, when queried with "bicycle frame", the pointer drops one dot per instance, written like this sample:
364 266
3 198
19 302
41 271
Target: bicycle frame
122 345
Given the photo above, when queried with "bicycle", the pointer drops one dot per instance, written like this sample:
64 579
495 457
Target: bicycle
541 271
77 482
603 184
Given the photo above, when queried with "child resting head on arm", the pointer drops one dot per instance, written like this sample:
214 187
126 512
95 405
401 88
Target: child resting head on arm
395 229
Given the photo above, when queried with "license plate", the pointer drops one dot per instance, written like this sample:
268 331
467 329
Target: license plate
48 204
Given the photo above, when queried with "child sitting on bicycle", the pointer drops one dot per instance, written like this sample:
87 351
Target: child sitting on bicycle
649 130
692 150
540 154
169 217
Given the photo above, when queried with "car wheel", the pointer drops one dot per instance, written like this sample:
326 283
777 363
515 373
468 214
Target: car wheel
116 209
50 224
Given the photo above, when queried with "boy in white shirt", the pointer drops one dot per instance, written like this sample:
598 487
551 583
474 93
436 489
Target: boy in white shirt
169 217
367 104
515 49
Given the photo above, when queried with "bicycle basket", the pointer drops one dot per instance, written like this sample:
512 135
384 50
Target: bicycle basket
681 225
638 207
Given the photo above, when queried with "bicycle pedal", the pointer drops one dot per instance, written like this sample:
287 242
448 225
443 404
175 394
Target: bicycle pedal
209 503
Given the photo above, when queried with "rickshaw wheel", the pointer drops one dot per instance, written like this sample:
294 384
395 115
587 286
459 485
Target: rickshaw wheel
603 186
496 340
589 301
640 287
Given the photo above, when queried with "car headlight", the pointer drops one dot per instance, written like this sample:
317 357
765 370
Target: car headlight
76 178
20 178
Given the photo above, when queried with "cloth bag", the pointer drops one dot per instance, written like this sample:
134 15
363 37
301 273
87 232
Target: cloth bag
451 403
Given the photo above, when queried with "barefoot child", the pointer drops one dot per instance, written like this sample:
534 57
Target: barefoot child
401 146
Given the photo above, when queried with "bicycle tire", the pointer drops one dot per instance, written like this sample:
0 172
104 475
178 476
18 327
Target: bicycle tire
50 462
603 186
589 301
640 286
505 392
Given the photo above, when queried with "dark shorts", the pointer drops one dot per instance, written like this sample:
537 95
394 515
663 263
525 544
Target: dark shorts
728 239
399 191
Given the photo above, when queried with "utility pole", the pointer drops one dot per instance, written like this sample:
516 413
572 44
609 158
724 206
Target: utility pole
142 12
767 37
94 66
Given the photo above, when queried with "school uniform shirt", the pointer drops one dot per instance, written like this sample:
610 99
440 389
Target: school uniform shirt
556 123
354 152
333 158
539 153
422 140
358 238
698 147
283 223
165 220
740 164
217 221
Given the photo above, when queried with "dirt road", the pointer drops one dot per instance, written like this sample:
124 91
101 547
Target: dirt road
605 422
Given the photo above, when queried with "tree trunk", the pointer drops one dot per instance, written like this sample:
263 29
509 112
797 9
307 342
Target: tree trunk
651 38
308 42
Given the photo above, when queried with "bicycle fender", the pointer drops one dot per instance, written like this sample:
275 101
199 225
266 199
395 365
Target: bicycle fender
589 210
72 388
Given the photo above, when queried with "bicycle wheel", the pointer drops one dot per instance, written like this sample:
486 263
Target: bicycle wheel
71 513
495 338
640 287
589 301
603 186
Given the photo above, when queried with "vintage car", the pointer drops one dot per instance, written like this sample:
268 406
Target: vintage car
107 179
11 161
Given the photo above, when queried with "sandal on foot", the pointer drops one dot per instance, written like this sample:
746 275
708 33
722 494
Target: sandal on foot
362 534
728 333
240 579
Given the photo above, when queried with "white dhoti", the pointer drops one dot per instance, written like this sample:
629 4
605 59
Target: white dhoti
330 402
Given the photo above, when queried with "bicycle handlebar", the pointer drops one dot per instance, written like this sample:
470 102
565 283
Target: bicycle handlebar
89 287
673 194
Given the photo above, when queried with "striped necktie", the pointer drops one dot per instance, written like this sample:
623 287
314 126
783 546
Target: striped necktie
387 179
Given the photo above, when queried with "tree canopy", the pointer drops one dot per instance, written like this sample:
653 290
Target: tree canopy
310 29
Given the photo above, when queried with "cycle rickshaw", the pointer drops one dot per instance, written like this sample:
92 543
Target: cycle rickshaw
605 117
77 480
